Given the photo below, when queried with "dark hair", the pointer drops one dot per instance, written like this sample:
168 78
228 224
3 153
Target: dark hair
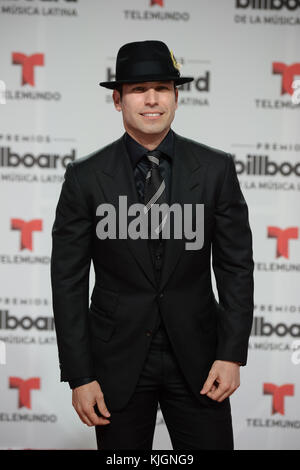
120 89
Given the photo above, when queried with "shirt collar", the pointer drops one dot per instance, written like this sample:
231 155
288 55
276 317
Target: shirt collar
136 150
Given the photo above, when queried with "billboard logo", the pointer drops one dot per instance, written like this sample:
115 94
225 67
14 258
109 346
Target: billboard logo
26 229
268 4
12 159
261 165
288 73
24 387
11 322
260 327
278 394
283 236
27 62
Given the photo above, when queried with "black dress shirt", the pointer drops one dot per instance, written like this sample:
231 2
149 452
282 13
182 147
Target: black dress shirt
140 167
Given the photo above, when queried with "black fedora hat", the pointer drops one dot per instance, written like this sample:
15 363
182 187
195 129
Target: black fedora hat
146 61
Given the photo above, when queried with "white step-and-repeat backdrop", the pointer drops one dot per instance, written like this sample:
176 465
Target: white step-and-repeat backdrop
245 57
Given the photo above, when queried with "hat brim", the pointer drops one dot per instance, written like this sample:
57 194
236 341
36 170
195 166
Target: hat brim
178 81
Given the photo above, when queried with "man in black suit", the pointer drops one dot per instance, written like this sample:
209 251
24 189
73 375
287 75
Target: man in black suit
154 332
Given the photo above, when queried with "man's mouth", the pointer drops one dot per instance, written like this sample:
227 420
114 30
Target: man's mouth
151 115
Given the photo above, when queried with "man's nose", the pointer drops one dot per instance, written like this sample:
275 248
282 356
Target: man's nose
151 97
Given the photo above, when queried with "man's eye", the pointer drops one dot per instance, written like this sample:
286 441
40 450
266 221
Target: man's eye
141 89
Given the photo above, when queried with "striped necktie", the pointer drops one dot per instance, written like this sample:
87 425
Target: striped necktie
155 190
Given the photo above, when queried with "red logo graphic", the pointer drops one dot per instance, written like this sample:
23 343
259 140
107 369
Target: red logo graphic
288 73
157 2
28 62
26 229
278 393
25 387
283 236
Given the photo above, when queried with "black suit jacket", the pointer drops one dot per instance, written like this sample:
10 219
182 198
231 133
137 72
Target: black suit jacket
110 337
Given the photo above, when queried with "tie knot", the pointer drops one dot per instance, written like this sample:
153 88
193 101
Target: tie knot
153 157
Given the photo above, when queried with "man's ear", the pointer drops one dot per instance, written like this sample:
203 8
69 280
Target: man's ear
117 100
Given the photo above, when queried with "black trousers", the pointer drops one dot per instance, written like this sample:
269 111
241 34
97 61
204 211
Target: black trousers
192 424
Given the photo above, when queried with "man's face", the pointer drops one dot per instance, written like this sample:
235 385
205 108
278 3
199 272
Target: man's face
148 108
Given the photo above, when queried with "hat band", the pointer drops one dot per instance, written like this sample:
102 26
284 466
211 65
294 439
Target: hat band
145 68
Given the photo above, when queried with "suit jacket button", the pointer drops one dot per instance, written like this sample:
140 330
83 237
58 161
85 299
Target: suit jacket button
161 295
148 332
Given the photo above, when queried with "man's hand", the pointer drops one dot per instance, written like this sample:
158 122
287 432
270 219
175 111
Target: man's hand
223 379
84 398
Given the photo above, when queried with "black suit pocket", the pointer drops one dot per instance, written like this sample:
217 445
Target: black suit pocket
101 325
104 299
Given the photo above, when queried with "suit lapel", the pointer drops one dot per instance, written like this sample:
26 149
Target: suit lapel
186 187
117 178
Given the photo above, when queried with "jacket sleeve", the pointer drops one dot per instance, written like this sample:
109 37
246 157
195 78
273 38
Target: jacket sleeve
80 381
233 265
70 266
